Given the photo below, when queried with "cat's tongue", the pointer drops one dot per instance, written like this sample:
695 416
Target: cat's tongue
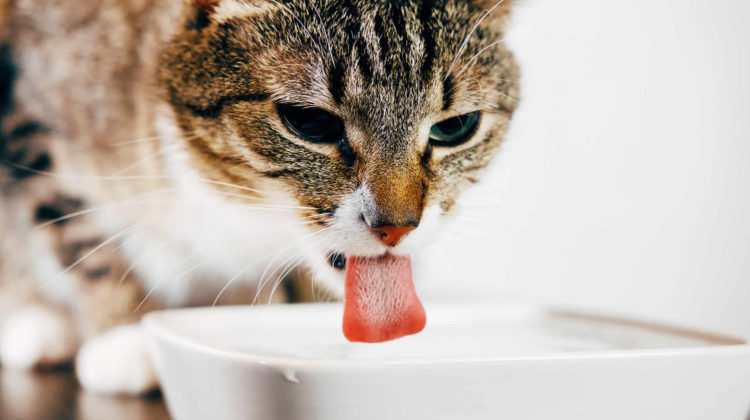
380 302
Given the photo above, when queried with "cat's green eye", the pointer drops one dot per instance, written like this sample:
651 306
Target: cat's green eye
456 130
312 124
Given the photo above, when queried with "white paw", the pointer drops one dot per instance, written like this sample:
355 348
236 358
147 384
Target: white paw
116 362
36 336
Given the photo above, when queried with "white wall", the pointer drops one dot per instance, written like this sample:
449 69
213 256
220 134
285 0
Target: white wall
625 181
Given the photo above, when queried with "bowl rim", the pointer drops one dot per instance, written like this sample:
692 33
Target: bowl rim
724 344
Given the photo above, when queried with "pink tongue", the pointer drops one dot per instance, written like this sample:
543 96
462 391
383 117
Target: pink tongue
380 303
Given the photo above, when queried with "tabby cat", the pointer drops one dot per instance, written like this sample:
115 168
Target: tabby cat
188 152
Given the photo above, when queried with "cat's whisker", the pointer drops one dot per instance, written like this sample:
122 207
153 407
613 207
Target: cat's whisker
512 98
100 208
249 266
259 205
462 81
292 265
483 91
86 177
230 185
162 200
290 262
125 177
201 264
313 273
97 248
327 294
266 276
478 83
465 44
117 235
120 143
146 255
479 89
275 206
133 235
232 280
183 274
325 30
263 280
249 197
476 56
145 140
205 262
149 157
466 81
136 141
280 279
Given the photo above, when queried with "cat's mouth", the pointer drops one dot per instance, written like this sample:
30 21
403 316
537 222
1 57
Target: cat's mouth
380 301
337 260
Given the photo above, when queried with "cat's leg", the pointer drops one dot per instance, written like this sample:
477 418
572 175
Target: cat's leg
63 257
37 335
34 330
89 275
110 301
116 362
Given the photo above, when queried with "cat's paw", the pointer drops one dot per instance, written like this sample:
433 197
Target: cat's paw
36 336
117 362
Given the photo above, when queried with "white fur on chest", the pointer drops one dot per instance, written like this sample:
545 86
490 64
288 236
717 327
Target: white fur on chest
201 241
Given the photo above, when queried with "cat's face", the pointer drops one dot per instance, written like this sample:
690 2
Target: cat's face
369 114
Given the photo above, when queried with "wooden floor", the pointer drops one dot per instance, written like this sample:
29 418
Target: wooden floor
55 395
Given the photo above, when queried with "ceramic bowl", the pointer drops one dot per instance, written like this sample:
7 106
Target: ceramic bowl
480 361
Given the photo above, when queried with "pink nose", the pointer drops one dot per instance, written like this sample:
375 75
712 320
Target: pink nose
391 235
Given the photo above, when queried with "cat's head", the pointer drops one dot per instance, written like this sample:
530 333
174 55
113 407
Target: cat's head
372 116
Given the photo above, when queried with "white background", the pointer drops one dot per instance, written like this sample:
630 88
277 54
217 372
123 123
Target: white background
624 183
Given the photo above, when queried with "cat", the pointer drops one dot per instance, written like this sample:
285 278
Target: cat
191 152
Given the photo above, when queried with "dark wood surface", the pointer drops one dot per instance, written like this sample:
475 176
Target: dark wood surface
55 395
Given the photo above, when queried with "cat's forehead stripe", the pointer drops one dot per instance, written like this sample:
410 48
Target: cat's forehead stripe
392 42
430 47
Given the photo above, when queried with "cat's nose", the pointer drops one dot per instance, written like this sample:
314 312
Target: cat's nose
391 235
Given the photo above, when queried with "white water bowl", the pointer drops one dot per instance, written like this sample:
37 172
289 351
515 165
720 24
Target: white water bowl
472 362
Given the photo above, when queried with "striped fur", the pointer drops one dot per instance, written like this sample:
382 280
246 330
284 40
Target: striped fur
386 68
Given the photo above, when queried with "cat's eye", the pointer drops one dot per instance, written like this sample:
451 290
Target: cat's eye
312 124
456 130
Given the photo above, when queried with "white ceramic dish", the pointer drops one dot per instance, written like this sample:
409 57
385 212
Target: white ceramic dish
501 361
